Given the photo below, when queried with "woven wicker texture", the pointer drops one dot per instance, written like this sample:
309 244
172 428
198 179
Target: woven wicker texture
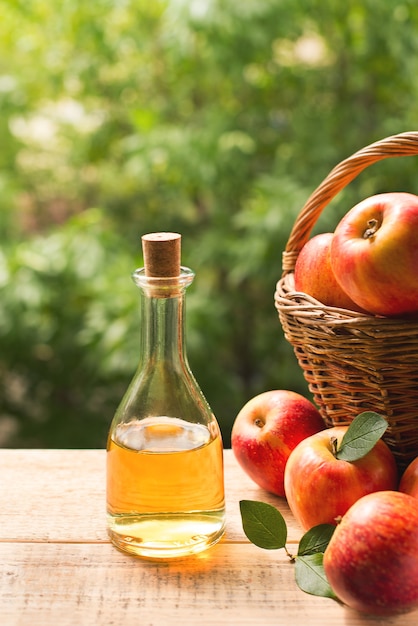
353 362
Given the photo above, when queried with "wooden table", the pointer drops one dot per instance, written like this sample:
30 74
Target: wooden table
57 567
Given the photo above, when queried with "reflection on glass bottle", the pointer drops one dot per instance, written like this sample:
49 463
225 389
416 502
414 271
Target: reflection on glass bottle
165 484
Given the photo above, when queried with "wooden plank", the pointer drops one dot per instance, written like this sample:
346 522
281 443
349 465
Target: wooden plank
94 585
239 486
59 495
52 495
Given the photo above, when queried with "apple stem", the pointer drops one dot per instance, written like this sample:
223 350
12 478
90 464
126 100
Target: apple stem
334 445
373 227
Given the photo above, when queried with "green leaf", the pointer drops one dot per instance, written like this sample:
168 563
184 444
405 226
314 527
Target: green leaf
362 435
263 524
310 575
316 539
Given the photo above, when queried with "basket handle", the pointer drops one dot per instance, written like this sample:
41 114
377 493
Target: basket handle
404 144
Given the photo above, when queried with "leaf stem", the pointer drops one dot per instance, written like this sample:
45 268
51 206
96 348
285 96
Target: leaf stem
292 557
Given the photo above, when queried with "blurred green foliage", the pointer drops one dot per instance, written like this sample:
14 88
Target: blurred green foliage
212 118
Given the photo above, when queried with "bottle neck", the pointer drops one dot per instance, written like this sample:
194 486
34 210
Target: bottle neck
163 319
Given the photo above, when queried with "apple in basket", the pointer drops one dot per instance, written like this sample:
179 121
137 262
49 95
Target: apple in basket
371 561
374 254
324 475
314 276
267 429
409 480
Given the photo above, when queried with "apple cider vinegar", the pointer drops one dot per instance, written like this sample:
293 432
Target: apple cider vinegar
165 487
165 476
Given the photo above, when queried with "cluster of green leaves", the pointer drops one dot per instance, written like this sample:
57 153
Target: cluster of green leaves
206 117
266 528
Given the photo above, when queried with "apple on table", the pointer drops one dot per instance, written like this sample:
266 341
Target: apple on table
409 479
371 561
267 429
320 487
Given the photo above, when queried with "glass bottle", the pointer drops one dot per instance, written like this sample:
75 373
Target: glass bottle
165 483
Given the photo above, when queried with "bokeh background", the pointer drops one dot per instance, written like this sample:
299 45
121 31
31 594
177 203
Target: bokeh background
212 118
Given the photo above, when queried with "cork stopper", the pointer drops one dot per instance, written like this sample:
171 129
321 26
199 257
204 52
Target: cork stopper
162 254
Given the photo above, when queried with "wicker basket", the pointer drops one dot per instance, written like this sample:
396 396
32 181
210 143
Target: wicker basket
353 362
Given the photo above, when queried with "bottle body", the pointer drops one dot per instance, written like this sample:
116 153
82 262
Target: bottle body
165 485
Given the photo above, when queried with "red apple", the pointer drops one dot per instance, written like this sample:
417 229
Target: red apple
267 429
320 488
371 561
314 276
409 480
374 254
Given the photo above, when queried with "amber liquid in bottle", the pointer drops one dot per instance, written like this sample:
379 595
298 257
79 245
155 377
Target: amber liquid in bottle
165 484
165 491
